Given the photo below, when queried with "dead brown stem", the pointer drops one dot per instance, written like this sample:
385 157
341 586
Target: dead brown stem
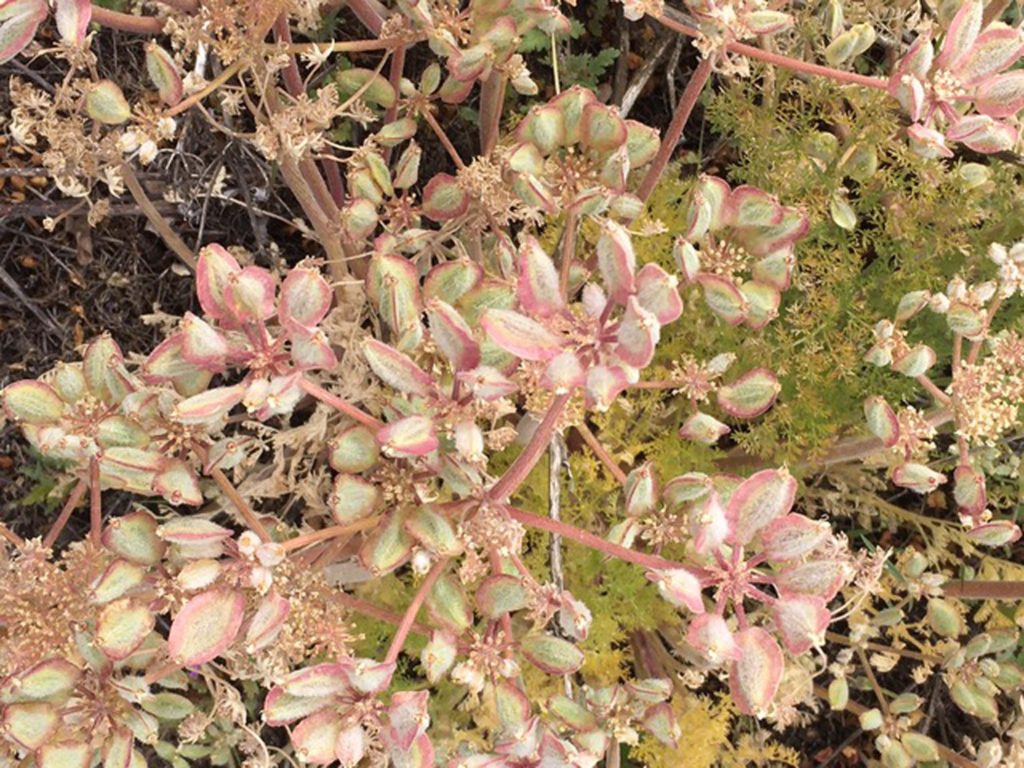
160 224
985 590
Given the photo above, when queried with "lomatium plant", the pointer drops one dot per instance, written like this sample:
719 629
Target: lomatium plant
321 527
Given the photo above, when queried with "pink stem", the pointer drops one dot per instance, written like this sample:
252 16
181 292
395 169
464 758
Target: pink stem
65 513
859 448
95 503
349 410
435 126
591 540
185 6
984 590
409 617
663 384
506 618
293 82
785 62
671 138
976 346
369 13
601 452
527 460
375 611
492 100
395 78
763 597
934 390
517 561
11 536
140 25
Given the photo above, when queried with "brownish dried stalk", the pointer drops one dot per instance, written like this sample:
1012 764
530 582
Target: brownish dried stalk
156 219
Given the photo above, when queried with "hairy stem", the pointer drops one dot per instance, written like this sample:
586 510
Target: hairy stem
370 13
376 612
353 46
614 754
395 79
398 641
879 648
310 190
161 671
212 86
443 138
568 251
862 447
976 346
670 140
185 6
879 695
492 100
